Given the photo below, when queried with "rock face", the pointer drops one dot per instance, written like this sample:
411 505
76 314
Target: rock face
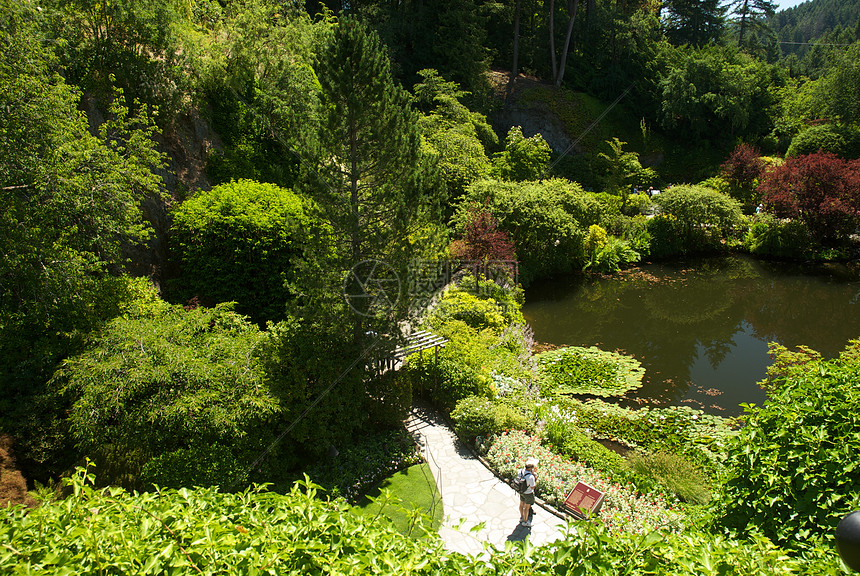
532 120
186 143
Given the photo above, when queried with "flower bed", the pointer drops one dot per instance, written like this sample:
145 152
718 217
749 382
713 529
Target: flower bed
591 371
623 510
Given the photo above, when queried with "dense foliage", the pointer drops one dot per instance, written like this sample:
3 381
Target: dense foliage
236 243
692 219
326 153
174 532
546 220
793 476
191 409
821 190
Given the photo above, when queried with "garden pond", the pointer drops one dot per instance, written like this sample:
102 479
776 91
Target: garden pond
701 327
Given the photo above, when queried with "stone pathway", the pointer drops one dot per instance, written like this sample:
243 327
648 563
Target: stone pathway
472 494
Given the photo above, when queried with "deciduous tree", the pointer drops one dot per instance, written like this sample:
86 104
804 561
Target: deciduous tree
523 158
71 200
821 189
742 170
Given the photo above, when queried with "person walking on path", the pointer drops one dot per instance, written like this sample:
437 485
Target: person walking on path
527 497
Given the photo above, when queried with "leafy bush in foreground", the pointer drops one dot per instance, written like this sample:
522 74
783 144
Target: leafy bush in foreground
201 531
257 532
794 467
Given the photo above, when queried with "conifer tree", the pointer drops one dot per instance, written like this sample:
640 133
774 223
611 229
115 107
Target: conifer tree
370 180
695 22
751 15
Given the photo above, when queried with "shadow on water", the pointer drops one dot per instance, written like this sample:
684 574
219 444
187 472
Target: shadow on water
701 328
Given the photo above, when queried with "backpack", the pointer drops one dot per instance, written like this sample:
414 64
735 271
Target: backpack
520 484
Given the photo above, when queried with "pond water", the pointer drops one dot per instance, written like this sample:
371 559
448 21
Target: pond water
701 328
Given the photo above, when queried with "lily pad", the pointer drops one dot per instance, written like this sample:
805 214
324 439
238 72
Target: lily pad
588 371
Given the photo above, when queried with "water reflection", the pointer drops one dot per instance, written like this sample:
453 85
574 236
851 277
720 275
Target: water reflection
701 328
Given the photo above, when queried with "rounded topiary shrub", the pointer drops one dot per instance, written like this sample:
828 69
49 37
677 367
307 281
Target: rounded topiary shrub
237 243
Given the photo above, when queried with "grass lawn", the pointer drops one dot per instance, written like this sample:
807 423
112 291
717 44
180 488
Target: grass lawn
410 489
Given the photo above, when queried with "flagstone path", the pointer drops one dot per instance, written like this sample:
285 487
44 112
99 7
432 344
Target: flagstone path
472 494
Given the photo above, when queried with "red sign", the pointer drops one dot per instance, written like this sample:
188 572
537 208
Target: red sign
584 499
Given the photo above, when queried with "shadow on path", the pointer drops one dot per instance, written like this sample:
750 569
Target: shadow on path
519 534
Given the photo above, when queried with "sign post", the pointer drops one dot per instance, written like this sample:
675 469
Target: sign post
584 499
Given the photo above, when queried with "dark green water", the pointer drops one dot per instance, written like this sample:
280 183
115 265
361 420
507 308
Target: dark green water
701 328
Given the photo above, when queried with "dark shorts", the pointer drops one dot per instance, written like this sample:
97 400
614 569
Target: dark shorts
528 498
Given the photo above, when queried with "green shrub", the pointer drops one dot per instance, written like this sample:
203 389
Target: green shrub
546 221
213 465
793 466
576 370
523 158
678 429
779 238
479 416
389 398
637 204
121 532
606 254
704 217
610 204
664 232
236 243
634 230
572 442
680 476
510 298
475 312
844 141
447 380
580 447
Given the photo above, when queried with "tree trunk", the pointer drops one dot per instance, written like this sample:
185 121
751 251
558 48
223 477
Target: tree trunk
552 40
515 66
572 7
744 12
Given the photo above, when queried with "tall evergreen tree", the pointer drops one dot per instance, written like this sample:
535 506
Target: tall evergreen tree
371 169
695 22
751 16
